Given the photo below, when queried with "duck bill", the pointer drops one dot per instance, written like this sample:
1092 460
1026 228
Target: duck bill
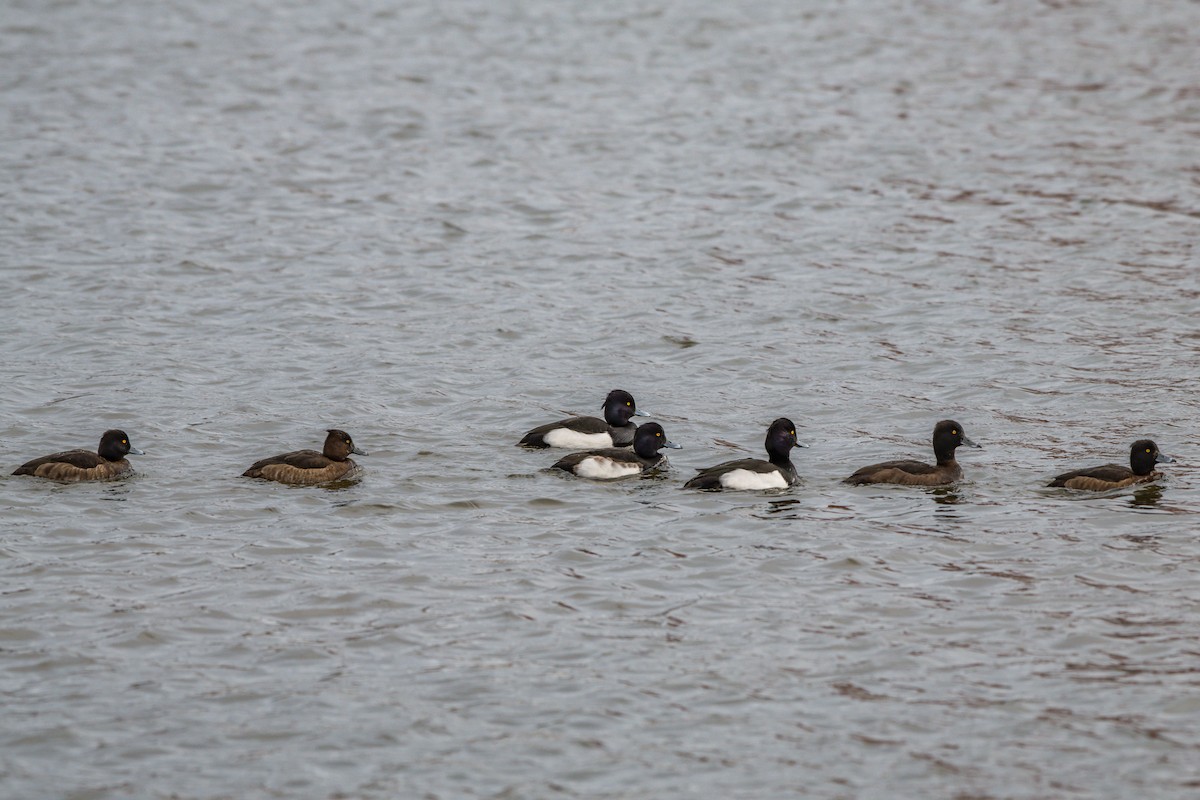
969 443
133 451
358 452
1160 458
672 445
641 413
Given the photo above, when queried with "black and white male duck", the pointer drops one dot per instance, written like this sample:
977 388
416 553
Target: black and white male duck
777 472
618 462
615 430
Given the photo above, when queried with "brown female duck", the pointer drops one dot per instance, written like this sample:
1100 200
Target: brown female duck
308 467
947 436
1143 455
107 463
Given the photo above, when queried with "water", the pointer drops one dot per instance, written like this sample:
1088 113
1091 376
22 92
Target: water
228 228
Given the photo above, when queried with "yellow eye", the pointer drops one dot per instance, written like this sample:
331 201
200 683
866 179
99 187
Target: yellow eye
1147 449
659 435
126 441
628 403
954 433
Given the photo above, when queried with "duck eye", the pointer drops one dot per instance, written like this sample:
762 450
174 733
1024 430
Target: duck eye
628 403
1148 450
954 433
126 441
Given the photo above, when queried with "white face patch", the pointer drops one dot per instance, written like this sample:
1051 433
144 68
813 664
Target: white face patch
602 468
748 480
565 437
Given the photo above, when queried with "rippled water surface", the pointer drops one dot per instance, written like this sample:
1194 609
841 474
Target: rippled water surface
229 226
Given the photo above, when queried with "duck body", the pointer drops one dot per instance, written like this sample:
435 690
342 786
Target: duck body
577 432
1143 455
908 473
308 467
107 463
615 462
615 430
947 437
755 474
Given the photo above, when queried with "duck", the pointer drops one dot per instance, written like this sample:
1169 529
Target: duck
615 430
947 437
1143 455
617 462
107 463
754 473
308 467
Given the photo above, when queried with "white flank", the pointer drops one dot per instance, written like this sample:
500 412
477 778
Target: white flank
602 468
745 479
565 437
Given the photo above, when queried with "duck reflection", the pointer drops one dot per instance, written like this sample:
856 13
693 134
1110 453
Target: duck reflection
1146 496
783 506
946 496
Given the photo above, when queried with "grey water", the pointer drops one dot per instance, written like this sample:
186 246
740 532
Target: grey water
229 226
